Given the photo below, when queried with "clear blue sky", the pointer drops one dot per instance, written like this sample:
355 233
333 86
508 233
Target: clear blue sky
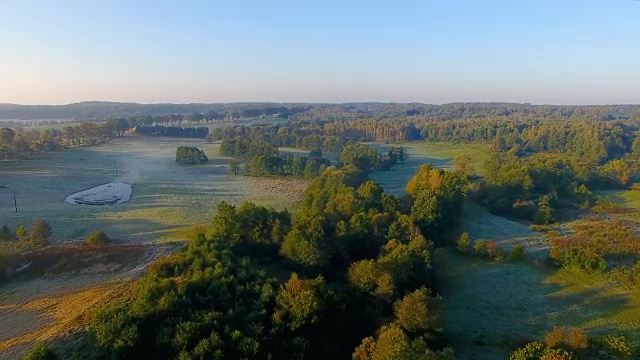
538 51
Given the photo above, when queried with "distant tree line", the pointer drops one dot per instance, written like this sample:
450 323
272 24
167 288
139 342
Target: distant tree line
20 143
172 131
101 111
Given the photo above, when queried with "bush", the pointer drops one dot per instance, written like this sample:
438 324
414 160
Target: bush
40 352
492 248
97 238
463 242
499 255
517 253
479 246
5 233
40 232
619 344
21 231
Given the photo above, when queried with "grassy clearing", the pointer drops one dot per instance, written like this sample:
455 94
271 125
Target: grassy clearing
481 224
168 198
627 198
438 154
493 308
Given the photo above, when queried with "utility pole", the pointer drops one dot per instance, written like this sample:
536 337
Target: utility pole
15 201
116 165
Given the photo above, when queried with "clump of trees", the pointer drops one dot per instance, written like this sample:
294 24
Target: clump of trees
190 155
264 159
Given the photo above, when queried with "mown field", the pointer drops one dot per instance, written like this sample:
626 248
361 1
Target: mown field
168 198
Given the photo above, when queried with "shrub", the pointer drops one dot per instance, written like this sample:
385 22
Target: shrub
492 248
40 232
5 233
500 255
463 242
479 246
97 238
517 253
555 337
40 352
21 231
574 339
618 344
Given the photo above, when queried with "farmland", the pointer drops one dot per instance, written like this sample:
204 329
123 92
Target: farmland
168 199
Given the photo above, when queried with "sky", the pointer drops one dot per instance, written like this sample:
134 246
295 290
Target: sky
535 51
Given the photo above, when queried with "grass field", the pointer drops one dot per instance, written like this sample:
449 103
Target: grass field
438 154
493 308
168 198
627 198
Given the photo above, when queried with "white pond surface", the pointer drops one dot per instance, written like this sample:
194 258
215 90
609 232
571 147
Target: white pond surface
106 194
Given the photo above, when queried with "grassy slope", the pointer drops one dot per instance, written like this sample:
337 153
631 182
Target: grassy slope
168 198
494 308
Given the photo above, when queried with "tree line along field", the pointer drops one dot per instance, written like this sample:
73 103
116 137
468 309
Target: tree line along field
168 198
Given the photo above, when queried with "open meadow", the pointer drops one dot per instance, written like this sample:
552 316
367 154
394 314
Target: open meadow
168 198
438 154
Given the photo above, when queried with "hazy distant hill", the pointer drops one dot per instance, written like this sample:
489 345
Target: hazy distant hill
95 110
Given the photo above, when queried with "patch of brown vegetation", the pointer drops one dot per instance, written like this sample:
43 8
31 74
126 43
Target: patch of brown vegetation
77 278
53 313
289 188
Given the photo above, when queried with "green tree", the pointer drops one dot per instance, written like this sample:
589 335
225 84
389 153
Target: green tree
298 302
6 136
415 313
462 164
234 167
